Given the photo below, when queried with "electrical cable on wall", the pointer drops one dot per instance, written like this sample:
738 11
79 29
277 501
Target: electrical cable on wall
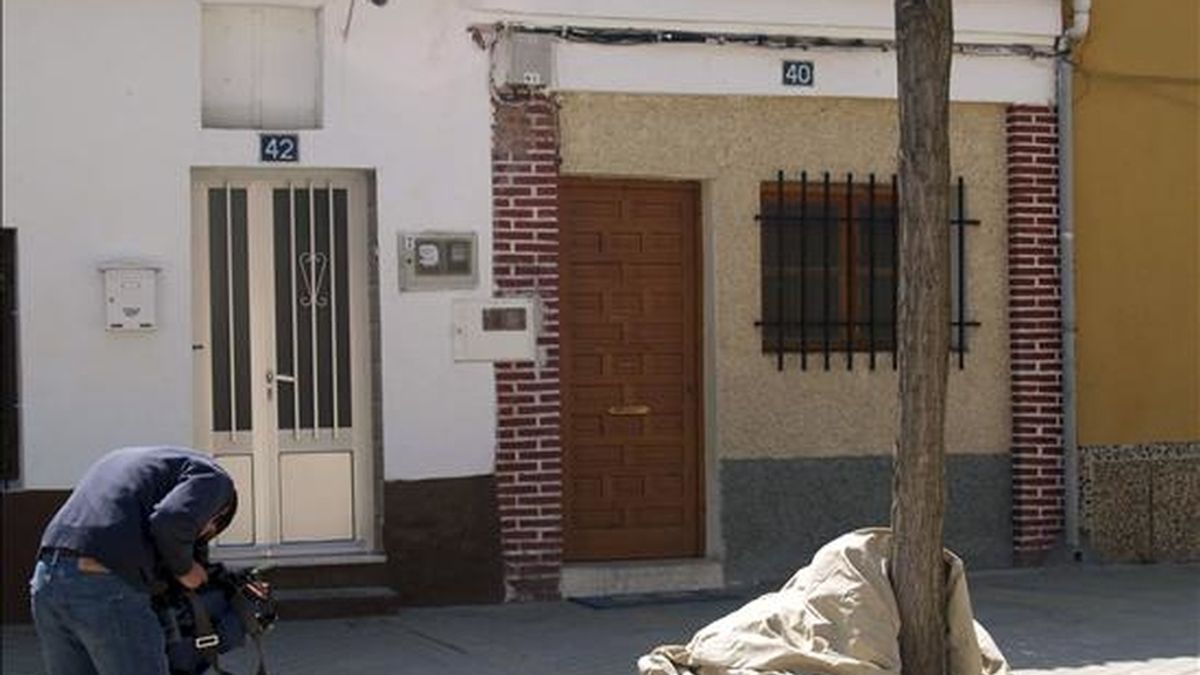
639 36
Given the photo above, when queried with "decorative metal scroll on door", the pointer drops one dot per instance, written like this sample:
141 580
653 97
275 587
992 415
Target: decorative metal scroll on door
312 308
229 308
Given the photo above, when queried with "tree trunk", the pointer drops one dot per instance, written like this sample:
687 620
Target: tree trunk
924 36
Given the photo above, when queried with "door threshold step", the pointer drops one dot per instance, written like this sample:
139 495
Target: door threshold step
627 577
335 603
254 559
340 575
659 598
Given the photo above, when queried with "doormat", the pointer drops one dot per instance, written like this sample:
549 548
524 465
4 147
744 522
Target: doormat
661 598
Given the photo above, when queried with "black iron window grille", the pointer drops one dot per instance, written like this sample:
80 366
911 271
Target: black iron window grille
829 268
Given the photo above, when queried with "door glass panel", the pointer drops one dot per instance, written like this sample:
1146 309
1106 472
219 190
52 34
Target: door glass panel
285 353
322 307
306 268
312 316
229 298
341 268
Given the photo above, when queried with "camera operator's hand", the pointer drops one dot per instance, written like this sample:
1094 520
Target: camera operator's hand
195 577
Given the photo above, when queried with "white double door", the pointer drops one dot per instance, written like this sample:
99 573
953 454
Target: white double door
282 356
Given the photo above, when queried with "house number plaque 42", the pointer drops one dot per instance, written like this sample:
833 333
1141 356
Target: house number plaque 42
279 147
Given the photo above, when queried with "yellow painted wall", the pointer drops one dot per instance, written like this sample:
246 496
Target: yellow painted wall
732 143
1138 223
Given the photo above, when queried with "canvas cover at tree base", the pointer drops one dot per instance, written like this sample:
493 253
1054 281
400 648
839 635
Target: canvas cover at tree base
837 616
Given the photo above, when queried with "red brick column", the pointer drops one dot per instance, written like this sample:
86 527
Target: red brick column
1035 327
525 263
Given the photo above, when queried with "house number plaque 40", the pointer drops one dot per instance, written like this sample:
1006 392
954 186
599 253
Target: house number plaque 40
798 73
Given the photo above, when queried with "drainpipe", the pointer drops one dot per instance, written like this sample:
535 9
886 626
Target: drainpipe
1080 24
1071 38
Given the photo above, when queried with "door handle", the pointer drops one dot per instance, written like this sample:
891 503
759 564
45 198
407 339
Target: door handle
629 410
272 377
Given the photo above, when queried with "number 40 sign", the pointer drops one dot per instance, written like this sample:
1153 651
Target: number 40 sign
279 147
798 73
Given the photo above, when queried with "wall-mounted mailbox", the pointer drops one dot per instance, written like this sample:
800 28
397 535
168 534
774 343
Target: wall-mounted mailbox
130 296
434 261
497 329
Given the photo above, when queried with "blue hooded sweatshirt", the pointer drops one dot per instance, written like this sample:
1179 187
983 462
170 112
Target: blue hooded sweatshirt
139 511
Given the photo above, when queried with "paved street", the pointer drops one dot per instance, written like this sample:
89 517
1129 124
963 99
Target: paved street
1138 620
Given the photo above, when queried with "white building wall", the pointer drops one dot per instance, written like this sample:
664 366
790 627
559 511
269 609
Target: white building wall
753 71
97 143
101 127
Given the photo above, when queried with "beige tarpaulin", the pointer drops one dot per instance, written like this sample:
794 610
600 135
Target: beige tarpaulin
837 617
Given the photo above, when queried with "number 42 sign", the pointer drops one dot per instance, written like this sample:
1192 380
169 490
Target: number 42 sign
279 147
798 73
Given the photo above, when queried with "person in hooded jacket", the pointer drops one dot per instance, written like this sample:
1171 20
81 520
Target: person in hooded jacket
137 517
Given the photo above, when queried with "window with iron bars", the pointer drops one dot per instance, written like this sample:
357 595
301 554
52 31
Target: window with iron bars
829 269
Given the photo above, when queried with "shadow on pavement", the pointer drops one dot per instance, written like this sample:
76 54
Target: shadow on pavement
1091 619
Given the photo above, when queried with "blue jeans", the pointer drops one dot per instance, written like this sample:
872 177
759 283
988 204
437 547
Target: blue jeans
94 623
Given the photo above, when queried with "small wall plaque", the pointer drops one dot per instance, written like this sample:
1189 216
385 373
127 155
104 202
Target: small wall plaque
279 147
798 74
438 261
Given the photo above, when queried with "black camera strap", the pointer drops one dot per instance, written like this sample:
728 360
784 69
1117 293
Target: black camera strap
207 641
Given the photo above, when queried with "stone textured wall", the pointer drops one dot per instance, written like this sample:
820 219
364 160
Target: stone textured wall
731 144
525 263
1009 158
1141 503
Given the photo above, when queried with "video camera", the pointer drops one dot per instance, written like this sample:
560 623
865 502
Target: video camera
215 619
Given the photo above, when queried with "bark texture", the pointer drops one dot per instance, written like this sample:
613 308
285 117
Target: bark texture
924 36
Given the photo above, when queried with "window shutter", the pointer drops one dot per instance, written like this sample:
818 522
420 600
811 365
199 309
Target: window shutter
261 67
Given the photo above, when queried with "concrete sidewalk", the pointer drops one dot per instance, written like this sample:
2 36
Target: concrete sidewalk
1090 620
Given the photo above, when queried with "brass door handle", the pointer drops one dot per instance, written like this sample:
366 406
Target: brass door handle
629 410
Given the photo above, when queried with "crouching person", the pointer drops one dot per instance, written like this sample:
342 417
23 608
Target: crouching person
137 515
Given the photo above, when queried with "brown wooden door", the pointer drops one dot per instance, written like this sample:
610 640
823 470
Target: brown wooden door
630 345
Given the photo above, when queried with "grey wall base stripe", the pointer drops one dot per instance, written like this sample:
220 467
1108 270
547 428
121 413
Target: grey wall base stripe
442 538
776 513
23 516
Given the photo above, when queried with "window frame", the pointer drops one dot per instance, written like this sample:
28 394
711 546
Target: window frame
844 336
845 327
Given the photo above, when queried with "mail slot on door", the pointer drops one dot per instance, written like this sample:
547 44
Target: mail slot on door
496 329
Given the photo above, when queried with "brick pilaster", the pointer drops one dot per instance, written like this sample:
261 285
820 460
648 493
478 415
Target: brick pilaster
525 263
1035 325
